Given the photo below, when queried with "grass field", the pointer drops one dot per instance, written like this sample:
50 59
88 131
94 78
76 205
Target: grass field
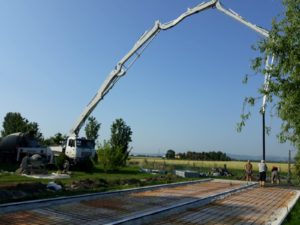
126 173
231 165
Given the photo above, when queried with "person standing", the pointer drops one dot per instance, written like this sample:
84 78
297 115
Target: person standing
248 171
262 168
275 175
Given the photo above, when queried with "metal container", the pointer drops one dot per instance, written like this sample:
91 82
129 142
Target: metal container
10 143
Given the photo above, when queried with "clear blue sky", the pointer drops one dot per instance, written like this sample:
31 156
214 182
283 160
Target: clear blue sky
184 93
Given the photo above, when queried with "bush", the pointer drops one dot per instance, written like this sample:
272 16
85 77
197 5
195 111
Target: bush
297 165
110 158
102 182
60 160
86 165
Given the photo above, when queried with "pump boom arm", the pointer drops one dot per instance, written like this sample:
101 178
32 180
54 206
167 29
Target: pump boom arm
129 59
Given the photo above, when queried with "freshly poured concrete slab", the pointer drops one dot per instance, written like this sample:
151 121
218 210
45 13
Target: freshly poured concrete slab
255 206
107 208
206 202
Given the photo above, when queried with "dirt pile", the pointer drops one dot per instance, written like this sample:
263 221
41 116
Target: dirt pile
20 192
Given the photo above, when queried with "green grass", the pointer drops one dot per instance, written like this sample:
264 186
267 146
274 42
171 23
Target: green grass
125 173
127 177
7 178
293 217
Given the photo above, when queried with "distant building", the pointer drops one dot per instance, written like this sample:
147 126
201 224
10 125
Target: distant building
177 156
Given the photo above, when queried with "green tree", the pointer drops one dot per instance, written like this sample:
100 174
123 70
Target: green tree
297 165
283 93
34 131
110 157
170 154
14 122
120 138
57 139
92 128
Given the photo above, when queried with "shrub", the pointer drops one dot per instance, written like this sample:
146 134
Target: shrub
86 165
297 165
60 160
110 158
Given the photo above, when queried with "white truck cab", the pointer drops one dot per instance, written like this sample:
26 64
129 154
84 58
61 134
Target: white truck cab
75 148
79 148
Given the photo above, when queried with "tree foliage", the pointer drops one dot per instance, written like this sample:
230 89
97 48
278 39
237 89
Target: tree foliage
283 93
170 154
92 128
109 157
60 160
297 165
114 153
57 139
14 123
120 138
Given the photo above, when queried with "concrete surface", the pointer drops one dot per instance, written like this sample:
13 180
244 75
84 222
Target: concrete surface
252 206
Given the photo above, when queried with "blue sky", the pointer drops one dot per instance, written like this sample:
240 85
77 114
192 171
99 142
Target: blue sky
184 93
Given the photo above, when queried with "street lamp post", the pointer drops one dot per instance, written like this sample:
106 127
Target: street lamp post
268 65
264 135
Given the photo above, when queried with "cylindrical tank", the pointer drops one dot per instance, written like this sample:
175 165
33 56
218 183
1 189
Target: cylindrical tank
10 143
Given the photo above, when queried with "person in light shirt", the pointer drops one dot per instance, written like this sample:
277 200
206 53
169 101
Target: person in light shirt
262 168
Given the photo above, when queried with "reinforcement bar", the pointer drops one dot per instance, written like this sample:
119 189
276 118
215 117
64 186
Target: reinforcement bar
177 208
32 204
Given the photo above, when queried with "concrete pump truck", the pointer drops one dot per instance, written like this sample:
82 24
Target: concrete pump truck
78 148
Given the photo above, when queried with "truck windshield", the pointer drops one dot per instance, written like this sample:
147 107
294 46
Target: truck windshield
83 143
